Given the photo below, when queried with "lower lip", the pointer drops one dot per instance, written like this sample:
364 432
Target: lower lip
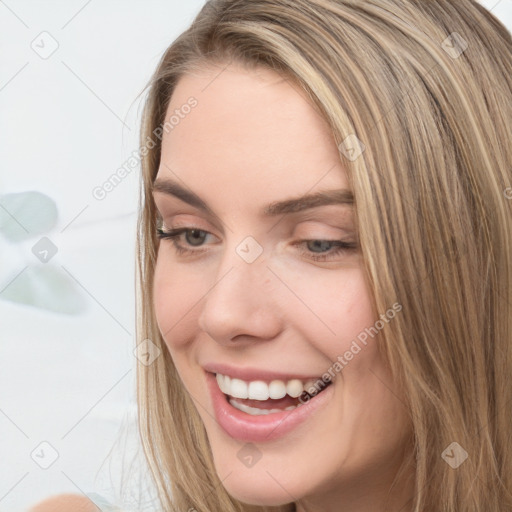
266 427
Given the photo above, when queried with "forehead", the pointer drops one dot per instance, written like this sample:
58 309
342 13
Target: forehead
251 131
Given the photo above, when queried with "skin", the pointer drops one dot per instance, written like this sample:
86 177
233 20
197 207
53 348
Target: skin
65 503
253 139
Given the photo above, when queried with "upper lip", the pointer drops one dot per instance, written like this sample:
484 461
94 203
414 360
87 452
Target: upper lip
251 374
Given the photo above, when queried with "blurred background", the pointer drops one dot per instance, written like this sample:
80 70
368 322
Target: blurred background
72 76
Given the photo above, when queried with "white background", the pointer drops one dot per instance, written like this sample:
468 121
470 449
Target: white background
66 124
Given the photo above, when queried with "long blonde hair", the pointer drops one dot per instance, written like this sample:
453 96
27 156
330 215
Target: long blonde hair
427 87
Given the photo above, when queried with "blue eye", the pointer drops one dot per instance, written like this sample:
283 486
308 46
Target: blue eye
325 250
315 249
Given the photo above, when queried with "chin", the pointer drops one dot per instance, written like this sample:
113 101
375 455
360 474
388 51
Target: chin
259 490
263 484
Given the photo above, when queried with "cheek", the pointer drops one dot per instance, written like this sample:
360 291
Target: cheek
175 299
340 309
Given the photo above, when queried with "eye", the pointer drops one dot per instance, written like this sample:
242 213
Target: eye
193 237
325 250
188 241
319 245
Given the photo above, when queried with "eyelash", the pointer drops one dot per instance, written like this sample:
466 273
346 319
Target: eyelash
339 245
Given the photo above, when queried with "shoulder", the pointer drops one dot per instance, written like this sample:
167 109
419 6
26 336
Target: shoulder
74 503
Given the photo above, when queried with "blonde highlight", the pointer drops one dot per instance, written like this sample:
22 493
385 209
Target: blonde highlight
435 227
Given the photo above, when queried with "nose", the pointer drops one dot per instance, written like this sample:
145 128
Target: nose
241 304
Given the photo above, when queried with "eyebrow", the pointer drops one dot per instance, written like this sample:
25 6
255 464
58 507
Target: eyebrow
293 205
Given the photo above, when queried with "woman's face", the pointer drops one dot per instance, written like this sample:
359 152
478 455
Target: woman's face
269 291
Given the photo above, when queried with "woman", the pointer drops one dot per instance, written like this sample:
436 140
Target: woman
325 248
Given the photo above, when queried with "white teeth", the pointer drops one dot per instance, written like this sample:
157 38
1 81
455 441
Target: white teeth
277 389
294 388
259 390
238 389
310 385
224 382
254 411
220 382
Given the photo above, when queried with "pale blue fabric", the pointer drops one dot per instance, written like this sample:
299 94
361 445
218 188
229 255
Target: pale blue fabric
102 503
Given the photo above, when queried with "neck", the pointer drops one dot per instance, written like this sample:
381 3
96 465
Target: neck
367 495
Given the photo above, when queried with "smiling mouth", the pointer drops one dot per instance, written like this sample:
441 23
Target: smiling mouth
260 398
